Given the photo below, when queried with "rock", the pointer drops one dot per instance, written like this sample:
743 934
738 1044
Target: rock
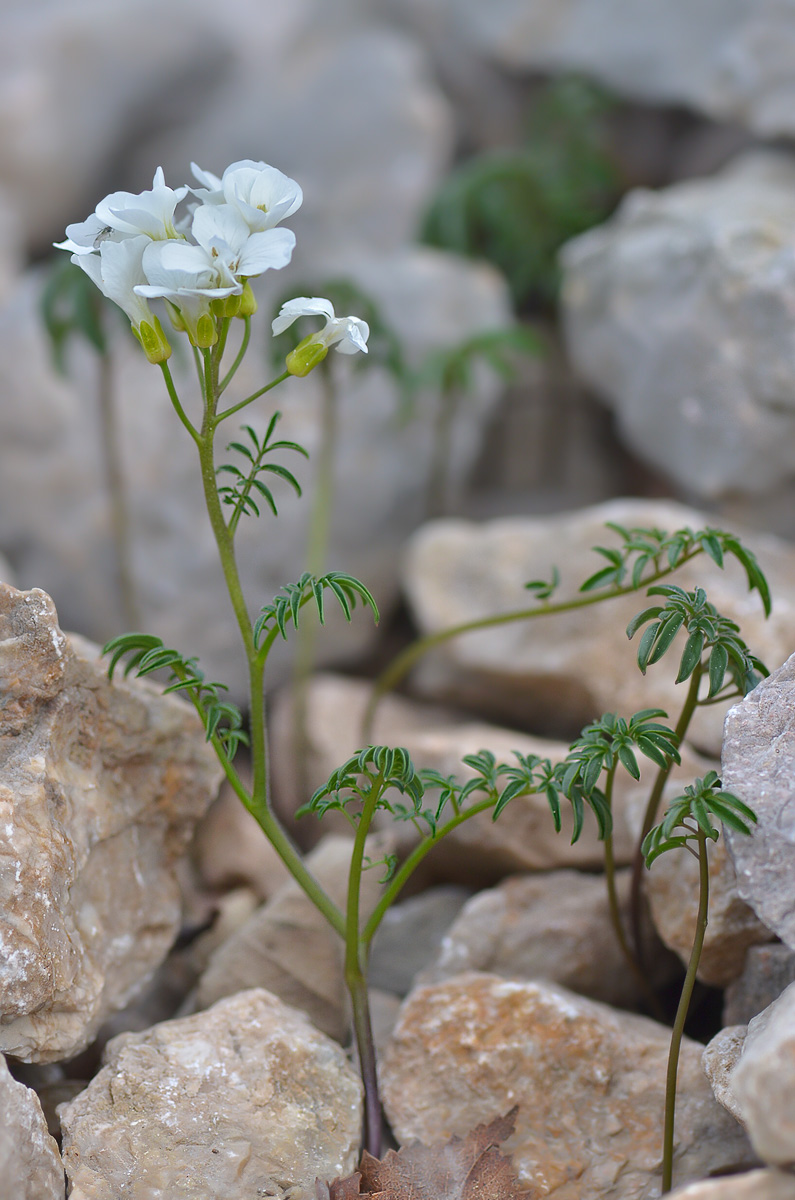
410 935
53 450
231 851
762 1084
759 766
752 1185
556 673
288 946
720 1057
29 1160
246 1099
672 890
553 926
589 1083
677 314
480 851
730 61
767 971
101 786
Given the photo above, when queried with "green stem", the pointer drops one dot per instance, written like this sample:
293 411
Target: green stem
402 663
254 396
650 815
681 1013
172 392
356 951
637 971
227 379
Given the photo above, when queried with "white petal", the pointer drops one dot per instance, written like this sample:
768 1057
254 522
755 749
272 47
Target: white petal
81 238
121 270
273 248
220 224
354 337
302 306
206 178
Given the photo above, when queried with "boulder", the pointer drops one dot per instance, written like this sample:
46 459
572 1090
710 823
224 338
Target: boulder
101 786
589 1083
767 971
751 1185
677 314
761 1086
30 1164
759 766
553 674
410 936
246 1099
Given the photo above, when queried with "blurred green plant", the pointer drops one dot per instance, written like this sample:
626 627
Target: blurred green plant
516 207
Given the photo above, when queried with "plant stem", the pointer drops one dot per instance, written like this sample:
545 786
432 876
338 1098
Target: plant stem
254 396
402 663
637 971
650 816
227 379
681 1013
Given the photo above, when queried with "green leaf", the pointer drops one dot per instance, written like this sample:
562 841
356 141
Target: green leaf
691 655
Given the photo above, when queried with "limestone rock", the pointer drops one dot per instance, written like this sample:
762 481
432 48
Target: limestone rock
288 946
720 1058
762 1084
759 765
767 971
553 926
672 890
569 668
246 1099
51 436
231 851
30 1165
480 851
751 1185
730 61
410 935
677 314
589 1083
100 788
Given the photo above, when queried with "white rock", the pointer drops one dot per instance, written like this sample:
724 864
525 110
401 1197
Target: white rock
677 312
566 670
751 1185
720 1057
100 788
30 1165
762 1084
247 1099
759 766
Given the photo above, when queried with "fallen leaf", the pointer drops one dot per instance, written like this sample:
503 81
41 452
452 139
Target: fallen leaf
468 1168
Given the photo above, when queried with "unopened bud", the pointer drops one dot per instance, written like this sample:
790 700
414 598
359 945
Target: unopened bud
306 356
153 341
248 302
205 334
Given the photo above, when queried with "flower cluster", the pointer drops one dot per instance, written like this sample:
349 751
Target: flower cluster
135 249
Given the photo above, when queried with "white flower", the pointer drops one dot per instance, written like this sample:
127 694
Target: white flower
116 270
224 235
189 278
124 215
349 334
262 195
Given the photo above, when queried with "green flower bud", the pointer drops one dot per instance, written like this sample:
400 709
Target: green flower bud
205 334
248 302
306 356
175 316
153 341
226 306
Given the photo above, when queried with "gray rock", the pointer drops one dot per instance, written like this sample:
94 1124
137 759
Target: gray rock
720 1057
589 1083
479 851
731 61
759 765
733 927
246 1099
762 1084
565 670
288 946
231 851
553 926
51 437
409 937
677 314
751 1185
767 971
30 1165
100 788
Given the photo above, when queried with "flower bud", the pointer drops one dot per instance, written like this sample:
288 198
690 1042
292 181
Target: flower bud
306 356
205 334
153 341
248 302
226 306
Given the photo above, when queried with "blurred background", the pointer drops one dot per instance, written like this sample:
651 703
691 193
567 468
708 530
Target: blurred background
570 223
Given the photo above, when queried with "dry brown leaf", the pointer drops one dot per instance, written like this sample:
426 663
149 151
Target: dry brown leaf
468 1168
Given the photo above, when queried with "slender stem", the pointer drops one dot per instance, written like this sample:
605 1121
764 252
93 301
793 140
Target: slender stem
681 1013
650 816
227 379
402 663
317 544
254 396
117 494
637 971
172 392
356 951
